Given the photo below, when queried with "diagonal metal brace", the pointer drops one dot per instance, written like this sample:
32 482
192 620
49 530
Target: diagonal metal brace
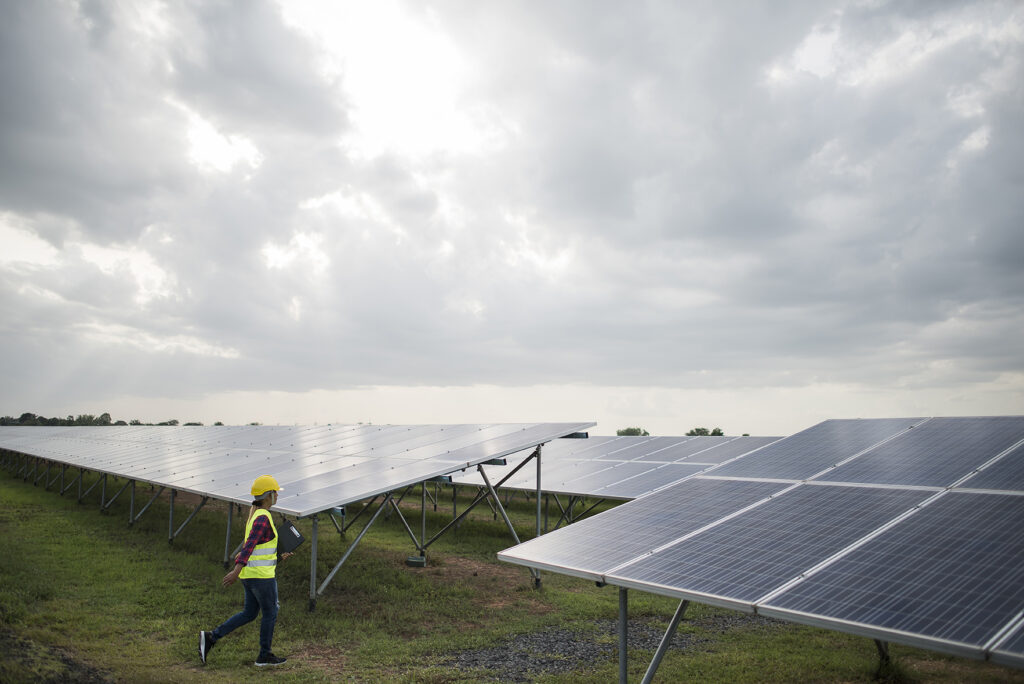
355 542
481 496
146 507
504 516
189 518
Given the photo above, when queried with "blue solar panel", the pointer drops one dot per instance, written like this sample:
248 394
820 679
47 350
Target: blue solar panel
647 482
687 447
1006 474
811 451
748 556
595 545
1011 652
731 449
937 453
635 448
952 571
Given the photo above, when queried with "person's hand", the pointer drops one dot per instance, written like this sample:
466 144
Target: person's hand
230 578
287 555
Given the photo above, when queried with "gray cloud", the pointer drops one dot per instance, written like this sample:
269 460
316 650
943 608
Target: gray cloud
674 199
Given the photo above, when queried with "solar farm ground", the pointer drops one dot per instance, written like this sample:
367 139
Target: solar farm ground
85 599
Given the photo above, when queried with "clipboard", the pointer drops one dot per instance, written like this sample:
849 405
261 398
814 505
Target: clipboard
288 537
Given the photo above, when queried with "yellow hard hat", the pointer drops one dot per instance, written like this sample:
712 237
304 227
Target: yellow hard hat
263 484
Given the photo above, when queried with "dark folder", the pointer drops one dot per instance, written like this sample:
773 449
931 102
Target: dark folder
289 538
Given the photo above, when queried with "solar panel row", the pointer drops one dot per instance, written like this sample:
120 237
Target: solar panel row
620 467
319 467
880 543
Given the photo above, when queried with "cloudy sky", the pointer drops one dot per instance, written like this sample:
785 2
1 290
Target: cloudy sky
747 215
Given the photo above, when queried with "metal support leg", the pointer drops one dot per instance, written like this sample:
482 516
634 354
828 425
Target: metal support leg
455 503
227 536
547 500
884 661
312 566
103 492
538 491
423 519
170 521
665 641
623 635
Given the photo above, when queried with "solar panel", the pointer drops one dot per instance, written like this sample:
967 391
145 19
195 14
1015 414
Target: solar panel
951 572
1011 652
640 447
591 547
1006 474
811 451
574 468
691 449
719 453
746 557
880 546
936 453
319 468
646 482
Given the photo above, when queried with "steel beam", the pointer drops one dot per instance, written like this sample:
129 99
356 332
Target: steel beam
665 641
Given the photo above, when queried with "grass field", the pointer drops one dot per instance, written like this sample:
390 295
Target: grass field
85 598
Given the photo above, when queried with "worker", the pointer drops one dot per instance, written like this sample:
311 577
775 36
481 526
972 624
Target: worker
254 565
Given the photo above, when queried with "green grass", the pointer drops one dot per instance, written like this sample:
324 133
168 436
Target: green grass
82 596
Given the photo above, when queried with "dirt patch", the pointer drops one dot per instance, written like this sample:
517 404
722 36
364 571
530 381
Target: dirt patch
472 570
22 659
326 658
524 657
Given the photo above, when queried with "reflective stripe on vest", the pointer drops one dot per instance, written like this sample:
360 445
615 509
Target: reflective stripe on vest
263 560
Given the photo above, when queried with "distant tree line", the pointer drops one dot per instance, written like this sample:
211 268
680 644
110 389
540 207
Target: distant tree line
695 432
83 419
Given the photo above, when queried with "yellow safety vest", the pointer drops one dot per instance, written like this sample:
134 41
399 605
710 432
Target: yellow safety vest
263 560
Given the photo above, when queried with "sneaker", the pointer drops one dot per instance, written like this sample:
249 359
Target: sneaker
269 659
205 645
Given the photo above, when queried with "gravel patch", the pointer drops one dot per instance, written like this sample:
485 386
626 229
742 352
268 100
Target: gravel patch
524 657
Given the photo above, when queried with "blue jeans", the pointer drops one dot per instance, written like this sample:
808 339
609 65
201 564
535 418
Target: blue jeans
260 594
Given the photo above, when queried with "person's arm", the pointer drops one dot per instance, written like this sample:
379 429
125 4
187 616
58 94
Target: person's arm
260 533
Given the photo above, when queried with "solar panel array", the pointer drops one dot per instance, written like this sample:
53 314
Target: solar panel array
619 467
318 467
906 530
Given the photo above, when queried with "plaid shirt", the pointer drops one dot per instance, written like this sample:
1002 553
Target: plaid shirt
260 533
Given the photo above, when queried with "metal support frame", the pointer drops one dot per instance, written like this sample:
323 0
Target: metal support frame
78 481
666 640
623 635
423 519
188 519
358 515
105 506
884 660
227 536
339 528
315 591
501 509
480 497
135 518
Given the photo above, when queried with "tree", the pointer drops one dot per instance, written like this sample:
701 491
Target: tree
704 432
632 432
